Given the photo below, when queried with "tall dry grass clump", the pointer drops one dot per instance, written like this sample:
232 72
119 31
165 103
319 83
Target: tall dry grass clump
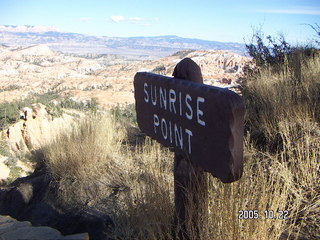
283 116
284 185
82 160
282 92
94 165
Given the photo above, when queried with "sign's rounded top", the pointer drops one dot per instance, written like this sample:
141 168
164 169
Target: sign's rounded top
187 69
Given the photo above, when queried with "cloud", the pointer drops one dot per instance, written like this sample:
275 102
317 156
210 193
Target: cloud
300 11
117 19
134 20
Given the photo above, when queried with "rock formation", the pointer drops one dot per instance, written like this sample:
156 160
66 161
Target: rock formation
11 229
26 71
4 170
32 198
35 129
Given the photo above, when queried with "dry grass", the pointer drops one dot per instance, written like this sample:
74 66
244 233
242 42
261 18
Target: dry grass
290 93
93 165
283 116
286 181
143 207
82 161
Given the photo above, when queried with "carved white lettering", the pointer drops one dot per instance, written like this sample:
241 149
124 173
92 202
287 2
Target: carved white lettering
154 95
155 122
173 133
170 132
146 98
163 98
200 112
189 139
172 100
188 100
175 102
164 128
178 136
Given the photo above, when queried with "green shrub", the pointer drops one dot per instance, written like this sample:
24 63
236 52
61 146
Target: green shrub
182 53
14 174
125 114
159 69
9 111
10 88
268 51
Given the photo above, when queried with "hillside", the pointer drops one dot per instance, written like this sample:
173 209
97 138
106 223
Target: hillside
132 47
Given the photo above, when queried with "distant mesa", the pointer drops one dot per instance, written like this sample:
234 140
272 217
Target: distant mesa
138 48
37 50
28 28
16 53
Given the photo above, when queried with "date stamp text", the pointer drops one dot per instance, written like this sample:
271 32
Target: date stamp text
267 214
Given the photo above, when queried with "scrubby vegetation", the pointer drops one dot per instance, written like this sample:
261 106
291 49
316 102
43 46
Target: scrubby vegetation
283 85
282 96
9 111
182 53
126 114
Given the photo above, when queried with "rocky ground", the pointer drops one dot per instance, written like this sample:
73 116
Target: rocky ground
11 229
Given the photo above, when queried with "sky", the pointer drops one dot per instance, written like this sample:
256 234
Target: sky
223 20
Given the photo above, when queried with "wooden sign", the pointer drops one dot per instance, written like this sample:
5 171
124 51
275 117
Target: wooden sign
202 123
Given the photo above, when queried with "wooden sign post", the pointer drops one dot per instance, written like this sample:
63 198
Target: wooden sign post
204 126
